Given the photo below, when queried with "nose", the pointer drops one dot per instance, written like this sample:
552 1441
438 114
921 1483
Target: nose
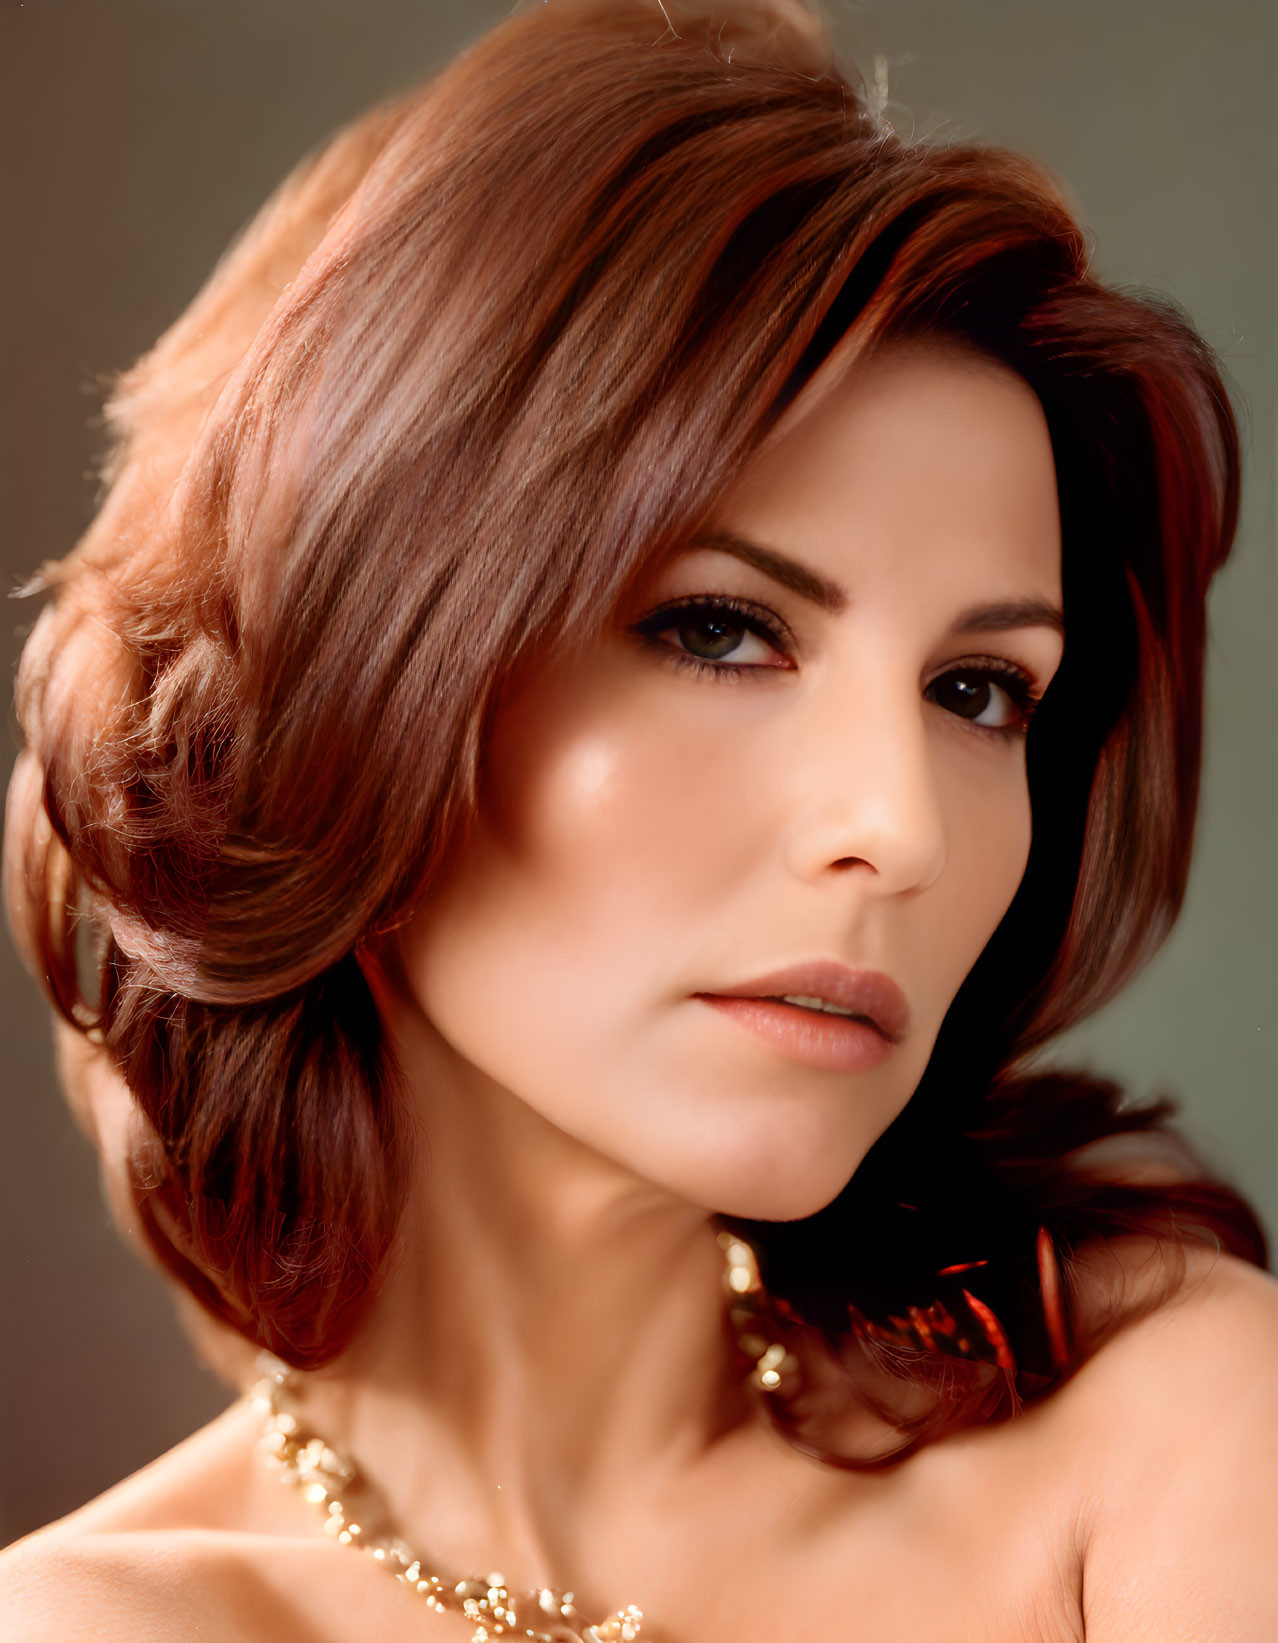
868 798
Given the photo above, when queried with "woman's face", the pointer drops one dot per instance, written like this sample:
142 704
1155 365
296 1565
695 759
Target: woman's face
830 768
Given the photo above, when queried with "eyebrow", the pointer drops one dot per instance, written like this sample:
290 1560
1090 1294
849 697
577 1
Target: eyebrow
995 616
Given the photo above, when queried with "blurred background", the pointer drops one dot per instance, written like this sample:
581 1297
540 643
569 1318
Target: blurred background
136 137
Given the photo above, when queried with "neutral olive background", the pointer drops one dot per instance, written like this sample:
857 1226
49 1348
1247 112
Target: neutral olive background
137 137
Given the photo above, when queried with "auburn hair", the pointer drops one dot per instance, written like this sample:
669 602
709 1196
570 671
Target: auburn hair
470 370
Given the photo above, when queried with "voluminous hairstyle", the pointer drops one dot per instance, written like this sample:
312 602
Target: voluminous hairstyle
471 369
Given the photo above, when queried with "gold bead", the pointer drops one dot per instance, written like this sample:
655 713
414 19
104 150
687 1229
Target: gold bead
309 1464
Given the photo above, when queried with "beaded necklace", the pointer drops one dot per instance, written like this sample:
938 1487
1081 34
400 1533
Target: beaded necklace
326 1477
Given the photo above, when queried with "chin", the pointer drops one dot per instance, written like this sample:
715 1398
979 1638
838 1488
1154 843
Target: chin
772 1179
748 1135
766 1204
790 1199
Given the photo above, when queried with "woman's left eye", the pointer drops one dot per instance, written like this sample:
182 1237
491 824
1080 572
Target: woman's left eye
993 698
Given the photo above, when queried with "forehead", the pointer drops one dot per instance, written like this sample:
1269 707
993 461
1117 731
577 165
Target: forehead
921 456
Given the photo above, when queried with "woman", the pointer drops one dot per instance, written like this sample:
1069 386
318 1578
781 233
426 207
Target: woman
541 731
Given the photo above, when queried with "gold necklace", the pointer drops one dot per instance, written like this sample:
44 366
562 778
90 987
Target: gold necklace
325 1477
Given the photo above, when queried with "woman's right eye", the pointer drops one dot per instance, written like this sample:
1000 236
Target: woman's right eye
716 634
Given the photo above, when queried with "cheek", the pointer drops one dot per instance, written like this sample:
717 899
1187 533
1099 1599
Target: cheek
615 817
564 916
989 831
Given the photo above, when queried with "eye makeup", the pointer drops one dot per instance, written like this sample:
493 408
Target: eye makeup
968 690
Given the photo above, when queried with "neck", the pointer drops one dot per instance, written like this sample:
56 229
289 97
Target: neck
550 1352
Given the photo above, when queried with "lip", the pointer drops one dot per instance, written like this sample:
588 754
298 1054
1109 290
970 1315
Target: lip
836 1043
867 992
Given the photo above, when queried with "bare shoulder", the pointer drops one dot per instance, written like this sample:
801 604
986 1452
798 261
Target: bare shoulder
166 1553
127 1586
1181 1417
1216 1329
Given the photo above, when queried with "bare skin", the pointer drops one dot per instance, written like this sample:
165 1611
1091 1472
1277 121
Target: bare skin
545 1385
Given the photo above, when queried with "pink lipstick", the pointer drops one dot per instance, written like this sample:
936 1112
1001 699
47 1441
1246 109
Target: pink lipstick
822 1013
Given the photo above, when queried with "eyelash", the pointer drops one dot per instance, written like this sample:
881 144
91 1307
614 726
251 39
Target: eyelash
1018 684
